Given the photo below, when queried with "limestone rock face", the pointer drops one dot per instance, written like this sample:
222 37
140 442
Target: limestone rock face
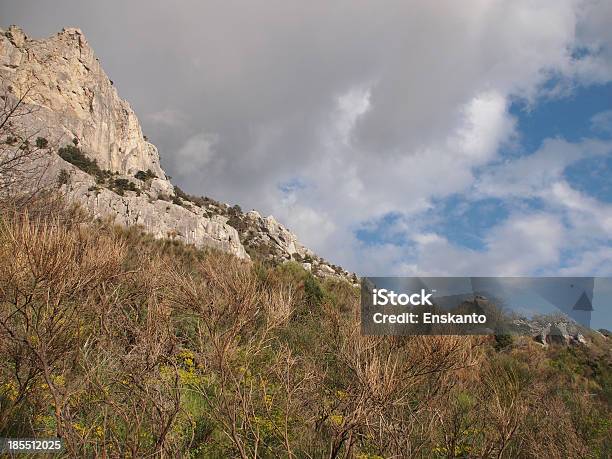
68 96
269 239
160 218
74 99
270 232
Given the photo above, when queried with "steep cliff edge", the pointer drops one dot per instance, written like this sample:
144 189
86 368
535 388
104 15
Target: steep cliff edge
72 103
102 160
75 99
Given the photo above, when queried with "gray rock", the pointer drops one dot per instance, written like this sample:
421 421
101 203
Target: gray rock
71 97
74 98
160 218
160 187
580 339
276 242
542 335
558 334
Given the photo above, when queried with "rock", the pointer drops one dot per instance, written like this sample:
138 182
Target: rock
269 239
74 99
162 219
579 339
74 102
542 336
16 36
558 334
161 187
325 270
253 215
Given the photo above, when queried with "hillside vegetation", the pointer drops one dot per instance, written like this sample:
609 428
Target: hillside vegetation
129 347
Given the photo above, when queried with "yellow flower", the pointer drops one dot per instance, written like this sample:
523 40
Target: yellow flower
9 390
341 394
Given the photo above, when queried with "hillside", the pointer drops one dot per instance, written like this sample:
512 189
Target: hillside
99 157
127 346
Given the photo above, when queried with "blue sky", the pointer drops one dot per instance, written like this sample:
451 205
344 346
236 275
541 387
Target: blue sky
465 221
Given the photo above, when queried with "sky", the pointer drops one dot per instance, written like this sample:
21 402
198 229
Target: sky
394 138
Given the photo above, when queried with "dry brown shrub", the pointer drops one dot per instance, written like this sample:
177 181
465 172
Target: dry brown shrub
48 276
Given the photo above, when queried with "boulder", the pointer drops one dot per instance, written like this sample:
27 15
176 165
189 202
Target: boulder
579 339
558 334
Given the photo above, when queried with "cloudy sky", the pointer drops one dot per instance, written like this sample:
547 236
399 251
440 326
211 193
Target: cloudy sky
395 137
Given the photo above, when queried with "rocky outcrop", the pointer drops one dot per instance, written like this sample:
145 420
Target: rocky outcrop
72 97
265 238
551 330
68 99
143 207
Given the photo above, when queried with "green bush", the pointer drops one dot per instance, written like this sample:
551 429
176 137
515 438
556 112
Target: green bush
503 341
313 293
121 185
145 175
63 177
74 155
41 142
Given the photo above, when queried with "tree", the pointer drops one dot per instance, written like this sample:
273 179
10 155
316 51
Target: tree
23 150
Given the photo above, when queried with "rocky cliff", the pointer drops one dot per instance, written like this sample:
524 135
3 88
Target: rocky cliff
102 160
75 99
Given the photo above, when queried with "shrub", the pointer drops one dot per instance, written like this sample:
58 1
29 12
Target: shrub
75 156
121 185
145 175
503 341
63 177
41 142
200 201
312 291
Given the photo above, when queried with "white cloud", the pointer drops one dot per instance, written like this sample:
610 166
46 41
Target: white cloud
486 126
521 245
588 221
167 117
528 175
196 153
